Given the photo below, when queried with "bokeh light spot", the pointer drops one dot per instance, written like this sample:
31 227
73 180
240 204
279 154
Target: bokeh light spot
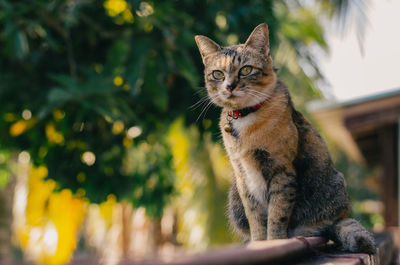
26 114
220 20
145 9
232 39
24 157
88 158
50 238
134 132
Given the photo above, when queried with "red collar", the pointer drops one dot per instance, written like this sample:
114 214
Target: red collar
240 113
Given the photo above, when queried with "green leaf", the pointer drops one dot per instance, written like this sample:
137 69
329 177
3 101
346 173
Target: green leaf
68 82
187 69
137 67
118 53
58 96
4 178
21 44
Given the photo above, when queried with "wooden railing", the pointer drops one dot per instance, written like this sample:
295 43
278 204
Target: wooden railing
294 251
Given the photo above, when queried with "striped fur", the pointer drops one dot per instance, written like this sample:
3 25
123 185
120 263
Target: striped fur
285 184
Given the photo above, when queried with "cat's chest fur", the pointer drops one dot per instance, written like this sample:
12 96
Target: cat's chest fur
239 126
240 145
258 132
240 138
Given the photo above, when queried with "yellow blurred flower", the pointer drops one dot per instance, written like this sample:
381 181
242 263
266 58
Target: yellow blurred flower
115 7
67 221
21 126
128 16
23 236
53 136
58 115
118 80
119 9
180 148
107 209
38 196
118 127
127 142
50 232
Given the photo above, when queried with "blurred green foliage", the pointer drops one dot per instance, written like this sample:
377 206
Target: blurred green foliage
77 75
356 175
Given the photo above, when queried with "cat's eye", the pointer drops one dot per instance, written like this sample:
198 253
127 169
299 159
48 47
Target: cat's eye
245 70
218 74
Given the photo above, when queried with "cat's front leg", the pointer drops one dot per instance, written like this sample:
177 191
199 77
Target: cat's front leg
281 197
252 188
256 212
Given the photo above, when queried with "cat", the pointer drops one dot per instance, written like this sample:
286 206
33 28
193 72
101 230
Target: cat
285 184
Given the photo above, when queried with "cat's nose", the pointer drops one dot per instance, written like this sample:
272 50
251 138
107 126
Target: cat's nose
230 87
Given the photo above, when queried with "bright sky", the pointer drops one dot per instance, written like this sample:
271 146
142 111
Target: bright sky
353 75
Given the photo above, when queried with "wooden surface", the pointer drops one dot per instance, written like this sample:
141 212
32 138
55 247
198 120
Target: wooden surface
261 252
288 252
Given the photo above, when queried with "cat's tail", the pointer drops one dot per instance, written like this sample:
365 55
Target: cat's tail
352 236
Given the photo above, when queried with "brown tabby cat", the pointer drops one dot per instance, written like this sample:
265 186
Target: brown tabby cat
285 184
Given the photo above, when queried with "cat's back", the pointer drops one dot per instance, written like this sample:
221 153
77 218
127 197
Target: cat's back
321 188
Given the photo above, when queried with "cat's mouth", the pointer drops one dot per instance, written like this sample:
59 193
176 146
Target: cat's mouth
229 95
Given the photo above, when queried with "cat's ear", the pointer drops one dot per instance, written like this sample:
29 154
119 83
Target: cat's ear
206 46
259 39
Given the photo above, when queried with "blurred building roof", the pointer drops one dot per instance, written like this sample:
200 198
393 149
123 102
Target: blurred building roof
353 124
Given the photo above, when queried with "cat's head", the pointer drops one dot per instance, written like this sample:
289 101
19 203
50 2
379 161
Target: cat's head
241 75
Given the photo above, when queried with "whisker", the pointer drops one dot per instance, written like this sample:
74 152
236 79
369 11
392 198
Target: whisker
200 102
257 97
260 93
200 90
249 91
207 106
205 113
265 96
